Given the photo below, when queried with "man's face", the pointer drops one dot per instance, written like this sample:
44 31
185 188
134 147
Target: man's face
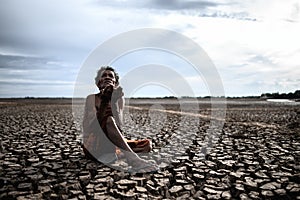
107 78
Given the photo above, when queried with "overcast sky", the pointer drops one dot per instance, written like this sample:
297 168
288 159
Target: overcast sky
254 44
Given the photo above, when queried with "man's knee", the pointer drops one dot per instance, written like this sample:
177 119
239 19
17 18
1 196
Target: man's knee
149 146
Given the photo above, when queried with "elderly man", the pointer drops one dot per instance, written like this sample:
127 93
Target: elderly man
102 123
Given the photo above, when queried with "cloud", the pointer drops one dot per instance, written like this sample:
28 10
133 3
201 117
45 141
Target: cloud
26 62
160 5
157 75
253 43
233 15
180 5
190 7
22 75
34 82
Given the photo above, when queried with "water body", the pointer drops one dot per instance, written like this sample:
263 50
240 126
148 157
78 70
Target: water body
281 100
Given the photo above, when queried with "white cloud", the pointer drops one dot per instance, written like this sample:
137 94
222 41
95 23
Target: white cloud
267 48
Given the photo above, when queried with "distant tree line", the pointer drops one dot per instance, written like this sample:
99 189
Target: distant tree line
277 95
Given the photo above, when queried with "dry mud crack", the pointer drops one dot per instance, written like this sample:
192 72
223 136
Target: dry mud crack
255 157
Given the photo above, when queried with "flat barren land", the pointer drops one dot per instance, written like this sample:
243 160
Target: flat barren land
252 152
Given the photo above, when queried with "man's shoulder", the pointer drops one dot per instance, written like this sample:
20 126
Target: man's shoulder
90 97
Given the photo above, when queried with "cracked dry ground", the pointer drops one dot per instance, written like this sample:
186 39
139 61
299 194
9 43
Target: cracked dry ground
255 156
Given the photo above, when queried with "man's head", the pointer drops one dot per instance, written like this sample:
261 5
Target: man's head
106 76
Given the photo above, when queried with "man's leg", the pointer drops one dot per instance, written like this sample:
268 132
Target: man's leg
140 146
114 134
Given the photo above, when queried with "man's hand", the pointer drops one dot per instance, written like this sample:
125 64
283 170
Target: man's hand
117 94
109 93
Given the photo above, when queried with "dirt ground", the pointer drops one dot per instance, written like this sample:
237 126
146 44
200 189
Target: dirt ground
252 152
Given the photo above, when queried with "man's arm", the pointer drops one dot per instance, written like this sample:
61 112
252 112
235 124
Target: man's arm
89 117
118 115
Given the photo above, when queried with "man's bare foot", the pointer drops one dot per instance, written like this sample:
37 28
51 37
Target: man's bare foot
142 166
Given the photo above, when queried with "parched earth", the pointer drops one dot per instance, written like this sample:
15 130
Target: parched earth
255 155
